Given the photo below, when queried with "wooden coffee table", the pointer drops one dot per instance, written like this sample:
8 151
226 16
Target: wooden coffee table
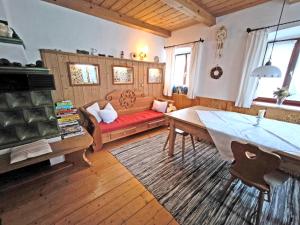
59 148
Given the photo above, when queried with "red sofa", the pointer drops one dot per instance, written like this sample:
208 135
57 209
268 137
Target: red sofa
134 116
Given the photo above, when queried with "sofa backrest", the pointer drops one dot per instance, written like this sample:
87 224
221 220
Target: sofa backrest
126 101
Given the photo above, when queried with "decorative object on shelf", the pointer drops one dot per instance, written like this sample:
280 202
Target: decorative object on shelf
155 75
133 55
122 55
156 59
268 70
281 94
216 72
82 52
143 52
93 51
260 115
8 35
6 63
5 30
39 63
221 35
83 74
122 75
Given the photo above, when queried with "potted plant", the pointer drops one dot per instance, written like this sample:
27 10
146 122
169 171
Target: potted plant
281 94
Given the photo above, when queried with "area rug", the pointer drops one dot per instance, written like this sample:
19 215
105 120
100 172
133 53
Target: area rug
190 188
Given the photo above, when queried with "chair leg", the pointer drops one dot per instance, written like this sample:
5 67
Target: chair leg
183 145
226 187
165 145
260 206
193 143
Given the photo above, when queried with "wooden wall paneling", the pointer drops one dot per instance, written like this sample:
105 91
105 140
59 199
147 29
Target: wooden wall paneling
81 95
68 92
96 89
78 90
109 63
137 84
144 74
162 81
52 64
103 77
135 79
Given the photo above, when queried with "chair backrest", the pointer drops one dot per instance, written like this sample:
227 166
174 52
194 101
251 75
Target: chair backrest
252 163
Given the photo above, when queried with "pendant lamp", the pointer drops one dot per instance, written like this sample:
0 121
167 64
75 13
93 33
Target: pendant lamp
268 70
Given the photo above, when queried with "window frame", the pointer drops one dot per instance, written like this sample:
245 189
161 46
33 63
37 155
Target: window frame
185 67
295 56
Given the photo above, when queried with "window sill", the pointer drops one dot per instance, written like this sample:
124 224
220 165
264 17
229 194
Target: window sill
273 105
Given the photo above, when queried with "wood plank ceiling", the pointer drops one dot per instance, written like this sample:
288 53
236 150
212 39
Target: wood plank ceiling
158 16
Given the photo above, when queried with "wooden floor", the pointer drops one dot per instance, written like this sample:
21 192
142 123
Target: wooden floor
106 193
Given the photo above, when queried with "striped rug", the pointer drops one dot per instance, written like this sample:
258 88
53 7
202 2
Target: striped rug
190 188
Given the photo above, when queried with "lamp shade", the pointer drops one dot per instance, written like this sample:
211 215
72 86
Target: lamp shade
266 71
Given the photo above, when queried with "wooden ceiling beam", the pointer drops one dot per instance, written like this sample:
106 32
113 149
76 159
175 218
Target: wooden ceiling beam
98 11
192 9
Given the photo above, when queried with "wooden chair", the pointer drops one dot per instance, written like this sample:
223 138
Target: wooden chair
183 134
255 168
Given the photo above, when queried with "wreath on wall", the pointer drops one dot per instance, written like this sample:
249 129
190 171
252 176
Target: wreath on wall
216 72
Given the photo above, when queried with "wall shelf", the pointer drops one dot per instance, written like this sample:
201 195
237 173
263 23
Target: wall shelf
16 41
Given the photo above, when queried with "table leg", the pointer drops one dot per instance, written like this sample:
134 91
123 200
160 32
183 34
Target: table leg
85 158
171 138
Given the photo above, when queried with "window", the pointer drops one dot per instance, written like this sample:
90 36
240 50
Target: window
286 57
182 66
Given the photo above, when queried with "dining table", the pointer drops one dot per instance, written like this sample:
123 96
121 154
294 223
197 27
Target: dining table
222 127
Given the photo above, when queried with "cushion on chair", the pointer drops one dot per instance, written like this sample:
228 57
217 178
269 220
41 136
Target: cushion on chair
124 121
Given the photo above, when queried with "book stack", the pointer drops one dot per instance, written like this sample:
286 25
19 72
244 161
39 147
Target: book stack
67 118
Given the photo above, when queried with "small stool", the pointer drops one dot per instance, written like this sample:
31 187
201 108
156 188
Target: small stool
184 134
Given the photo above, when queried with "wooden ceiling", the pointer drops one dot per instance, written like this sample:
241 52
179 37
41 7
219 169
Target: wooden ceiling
158 16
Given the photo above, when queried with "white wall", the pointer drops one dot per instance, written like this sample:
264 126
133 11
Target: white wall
44 25
227 86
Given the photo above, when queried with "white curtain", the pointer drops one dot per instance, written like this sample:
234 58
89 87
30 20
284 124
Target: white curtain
254 52
194 78
169 73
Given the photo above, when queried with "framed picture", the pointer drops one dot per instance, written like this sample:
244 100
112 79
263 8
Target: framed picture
83 74
155 75
122 75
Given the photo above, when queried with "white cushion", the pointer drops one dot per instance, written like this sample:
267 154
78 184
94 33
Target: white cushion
108 114
159 106
94 110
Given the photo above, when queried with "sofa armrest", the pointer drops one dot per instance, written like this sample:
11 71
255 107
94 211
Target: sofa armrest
93 128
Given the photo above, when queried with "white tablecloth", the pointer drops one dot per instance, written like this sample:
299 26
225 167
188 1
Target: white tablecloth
271 135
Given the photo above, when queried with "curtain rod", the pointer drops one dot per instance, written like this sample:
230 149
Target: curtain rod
261 28
200 40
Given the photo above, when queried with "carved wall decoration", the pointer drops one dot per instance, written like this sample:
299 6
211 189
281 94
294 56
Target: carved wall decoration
127 99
